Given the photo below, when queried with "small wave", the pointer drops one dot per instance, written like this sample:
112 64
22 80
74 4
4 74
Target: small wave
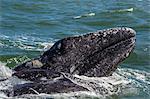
25 43
139 81
33 46
84 15
1 44
124 10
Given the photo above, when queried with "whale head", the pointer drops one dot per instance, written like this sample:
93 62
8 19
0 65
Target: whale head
94 54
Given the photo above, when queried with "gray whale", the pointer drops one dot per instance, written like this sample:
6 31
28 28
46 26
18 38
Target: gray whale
95 54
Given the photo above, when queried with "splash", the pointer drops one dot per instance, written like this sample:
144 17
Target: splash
123 82
5 72
7 81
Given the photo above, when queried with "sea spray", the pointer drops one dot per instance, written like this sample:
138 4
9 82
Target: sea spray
123 82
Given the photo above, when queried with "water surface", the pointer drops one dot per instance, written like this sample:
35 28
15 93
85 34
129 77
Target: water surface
27 27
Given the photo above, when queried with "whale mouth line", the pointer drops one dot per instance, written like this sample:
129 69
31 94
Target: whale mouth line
120 42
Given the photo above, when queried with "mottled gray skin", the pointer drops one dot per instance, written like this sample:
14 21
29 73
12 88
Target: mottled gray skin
95 55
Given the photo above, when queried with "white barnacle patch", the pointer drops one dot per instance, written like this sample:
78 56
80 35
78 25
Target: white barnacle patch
115 32
43 78
59 46
72 69
22 75
96 34
111 31
105 34
86 46
37 63
104 41
127 54
123 28
37 75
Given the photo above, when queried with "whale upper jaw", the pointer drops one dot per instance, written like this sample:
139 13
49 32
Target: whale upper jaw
93 54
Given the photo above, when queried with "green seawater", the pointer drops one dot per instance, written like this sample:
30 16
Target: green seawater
28 26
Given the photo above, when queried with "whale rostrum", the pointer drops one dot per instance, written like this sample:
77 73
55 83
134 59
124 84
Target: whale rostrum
95 54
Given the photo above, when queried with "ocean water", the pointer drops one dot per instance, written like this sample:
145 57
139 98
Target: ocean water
29 27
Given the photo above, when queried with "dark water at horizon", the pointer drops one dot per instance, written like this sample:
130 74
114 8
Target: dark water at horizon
28 26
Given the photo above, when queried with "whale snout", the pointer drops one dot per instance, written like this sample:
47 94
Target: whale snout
106 49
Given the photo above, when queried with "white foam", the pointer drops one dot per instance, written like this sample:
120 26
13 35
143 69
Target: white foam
125 10
84 15
71 95
46 45
123 82
5 72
